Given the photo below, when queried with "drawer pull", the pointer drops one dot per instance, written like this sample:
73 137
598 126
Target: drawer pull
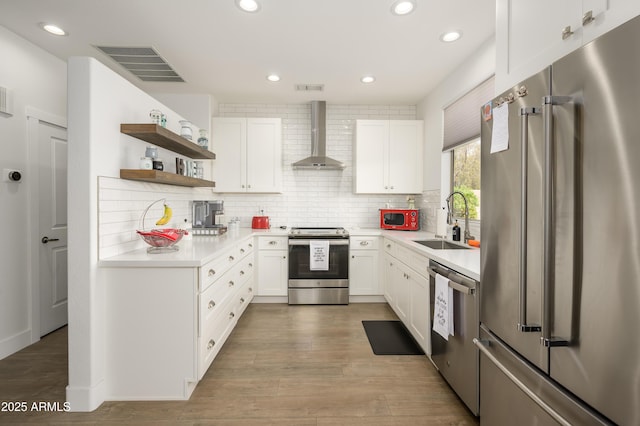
250 289
211 273
388 246
211 344
242 300
231 283
211 304
231 315
250 265
250 245
241 273
231 258
273 243
241 250
364 243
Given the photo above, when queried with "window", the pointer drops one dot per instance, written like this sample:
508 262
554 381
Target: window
465 177
462 141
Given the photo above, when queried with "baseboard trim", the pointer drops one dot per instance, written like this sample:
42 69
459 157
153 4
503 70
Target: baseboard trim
13 344
86 398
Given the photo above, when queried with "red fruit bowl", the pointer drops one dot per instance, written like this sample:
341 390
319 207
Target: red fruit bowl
162 238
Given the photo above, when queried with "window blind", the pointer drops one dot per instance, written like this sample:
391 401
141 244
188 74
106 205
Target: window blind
462 117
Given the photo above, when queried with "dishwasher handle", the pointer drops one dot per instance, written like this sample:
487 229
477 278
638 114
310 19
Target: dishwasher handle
457 282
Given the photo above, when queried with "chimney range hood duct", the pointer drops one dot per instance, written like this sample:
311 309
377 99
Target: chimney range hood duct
318 159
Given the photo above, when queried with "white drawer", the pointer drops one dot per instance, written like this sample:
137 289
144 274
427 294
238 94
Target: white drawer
273 243
245 247
214 334
364 243
214 270
212 300
413 260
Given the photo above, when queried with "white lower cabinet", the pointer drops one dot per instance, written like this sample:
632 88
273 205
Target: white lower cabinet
406 289
273 264
165 325
364 266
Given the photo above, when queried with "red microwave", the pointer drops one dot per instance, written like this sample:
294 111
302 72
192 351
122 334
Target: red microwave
400 219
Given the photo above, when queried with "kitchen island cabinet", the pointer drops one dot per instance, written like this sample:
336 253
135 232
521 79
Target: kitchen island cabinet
393 147
249 152
166 321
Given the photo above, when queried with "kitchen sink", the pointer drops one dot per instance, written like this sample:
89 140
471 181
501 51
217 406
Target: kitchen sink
440 244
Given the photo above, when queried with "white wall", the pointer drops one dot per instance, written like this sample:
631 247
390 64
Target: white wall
473 71
38 82
99 101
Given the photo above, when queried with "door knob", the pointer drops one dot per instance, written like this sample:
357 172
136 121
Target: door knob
45 240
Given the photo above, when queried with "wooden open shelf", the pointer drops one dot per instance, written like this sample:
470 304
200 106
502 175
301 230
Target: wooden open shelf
158 135
157 176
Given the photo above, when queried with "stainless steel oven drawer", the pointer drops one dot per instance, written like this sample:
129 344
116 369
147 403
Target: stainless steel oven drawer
319 283
319 296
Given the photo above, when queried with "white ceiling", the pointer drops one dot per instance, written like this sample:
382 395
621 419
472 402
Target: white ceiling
222 51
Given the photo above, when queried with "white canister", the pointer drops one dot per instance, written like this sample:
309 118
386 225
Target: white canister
146 163
185 130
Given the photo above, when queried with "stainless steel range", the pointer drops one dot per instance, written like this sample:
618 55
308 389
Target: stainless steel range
318 266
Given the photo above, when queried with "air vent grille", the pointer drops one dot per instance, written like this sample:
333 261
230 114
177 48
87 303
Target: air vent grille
309 87
143 62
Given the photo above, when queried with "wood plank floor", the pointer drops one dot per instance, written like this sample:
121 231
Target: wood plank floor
282 365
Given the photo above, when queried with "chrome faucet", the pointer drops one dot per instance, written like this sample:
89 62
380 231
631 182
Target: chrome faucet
467 233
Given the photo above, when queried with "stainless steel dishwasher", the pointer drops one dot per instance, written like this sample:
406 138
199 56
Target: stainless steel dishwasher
457 358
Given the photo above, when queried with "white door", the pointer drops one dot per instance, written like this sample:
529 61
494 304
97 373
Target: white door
52 236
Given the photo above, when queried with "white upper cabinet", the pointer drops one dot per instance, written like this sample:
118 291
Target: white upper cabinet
388 157
531 35
248 154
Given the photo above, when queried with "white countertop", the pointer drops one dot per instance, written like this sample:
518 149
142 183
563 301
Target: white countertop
198 250
466 262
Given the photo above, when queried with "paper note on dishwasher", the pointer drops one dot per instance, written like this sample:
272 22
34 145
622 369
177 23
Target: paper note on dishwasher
500 134
443 308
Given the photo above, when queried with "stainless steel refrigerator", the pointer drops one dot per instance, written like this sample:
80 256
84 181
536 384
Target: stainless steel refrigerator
560 261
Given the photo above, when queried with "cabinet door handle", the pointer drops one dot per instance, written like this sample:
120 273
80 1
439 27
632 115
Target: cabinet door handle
231 315
211 273
250 245
588 17
388 246
250 289
211 344
231 258
241 250
364 243
242 300
273 243
231 284
211 304
241 273
566 32
250 265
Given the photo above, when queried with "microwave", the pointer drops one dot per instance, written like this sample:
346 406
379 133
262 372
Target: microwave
400 219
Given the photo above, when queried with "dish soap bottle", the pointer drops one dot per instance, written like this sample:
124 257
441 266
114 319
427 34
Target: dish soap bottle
456 232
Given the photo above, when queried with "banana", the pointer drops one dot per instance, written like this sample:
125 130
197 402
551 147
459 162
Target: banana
166 217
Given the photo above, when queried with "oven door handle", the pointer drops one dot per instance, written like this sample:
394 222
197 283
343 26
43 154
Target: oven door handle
338 242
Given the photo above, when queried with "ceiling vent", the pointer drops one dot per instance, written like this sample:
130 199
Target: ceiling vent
309 87
143 62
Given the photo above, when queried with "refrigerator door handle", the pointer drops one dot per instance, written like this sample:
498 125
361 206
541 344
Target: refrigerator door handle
549 219
523 326
482 346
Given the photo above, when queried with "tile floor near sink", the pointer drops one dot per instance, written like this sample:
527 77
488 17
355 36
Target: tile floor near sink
284 365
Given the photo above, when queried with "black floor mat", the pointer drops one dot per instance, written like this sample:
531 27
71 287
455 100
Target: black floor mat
391 338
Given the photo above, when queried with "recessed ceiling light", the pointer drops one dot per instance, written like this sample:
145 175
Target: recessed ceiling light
450 36
403 7
367 79
273 77
250 6
53 29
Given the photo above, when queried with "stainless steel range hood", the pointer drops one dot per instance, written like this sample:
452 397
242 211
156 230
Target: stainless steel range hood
318 158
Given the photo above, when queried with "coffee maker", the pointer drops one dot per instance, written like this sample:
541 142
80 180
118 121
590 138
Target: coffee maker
204 217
